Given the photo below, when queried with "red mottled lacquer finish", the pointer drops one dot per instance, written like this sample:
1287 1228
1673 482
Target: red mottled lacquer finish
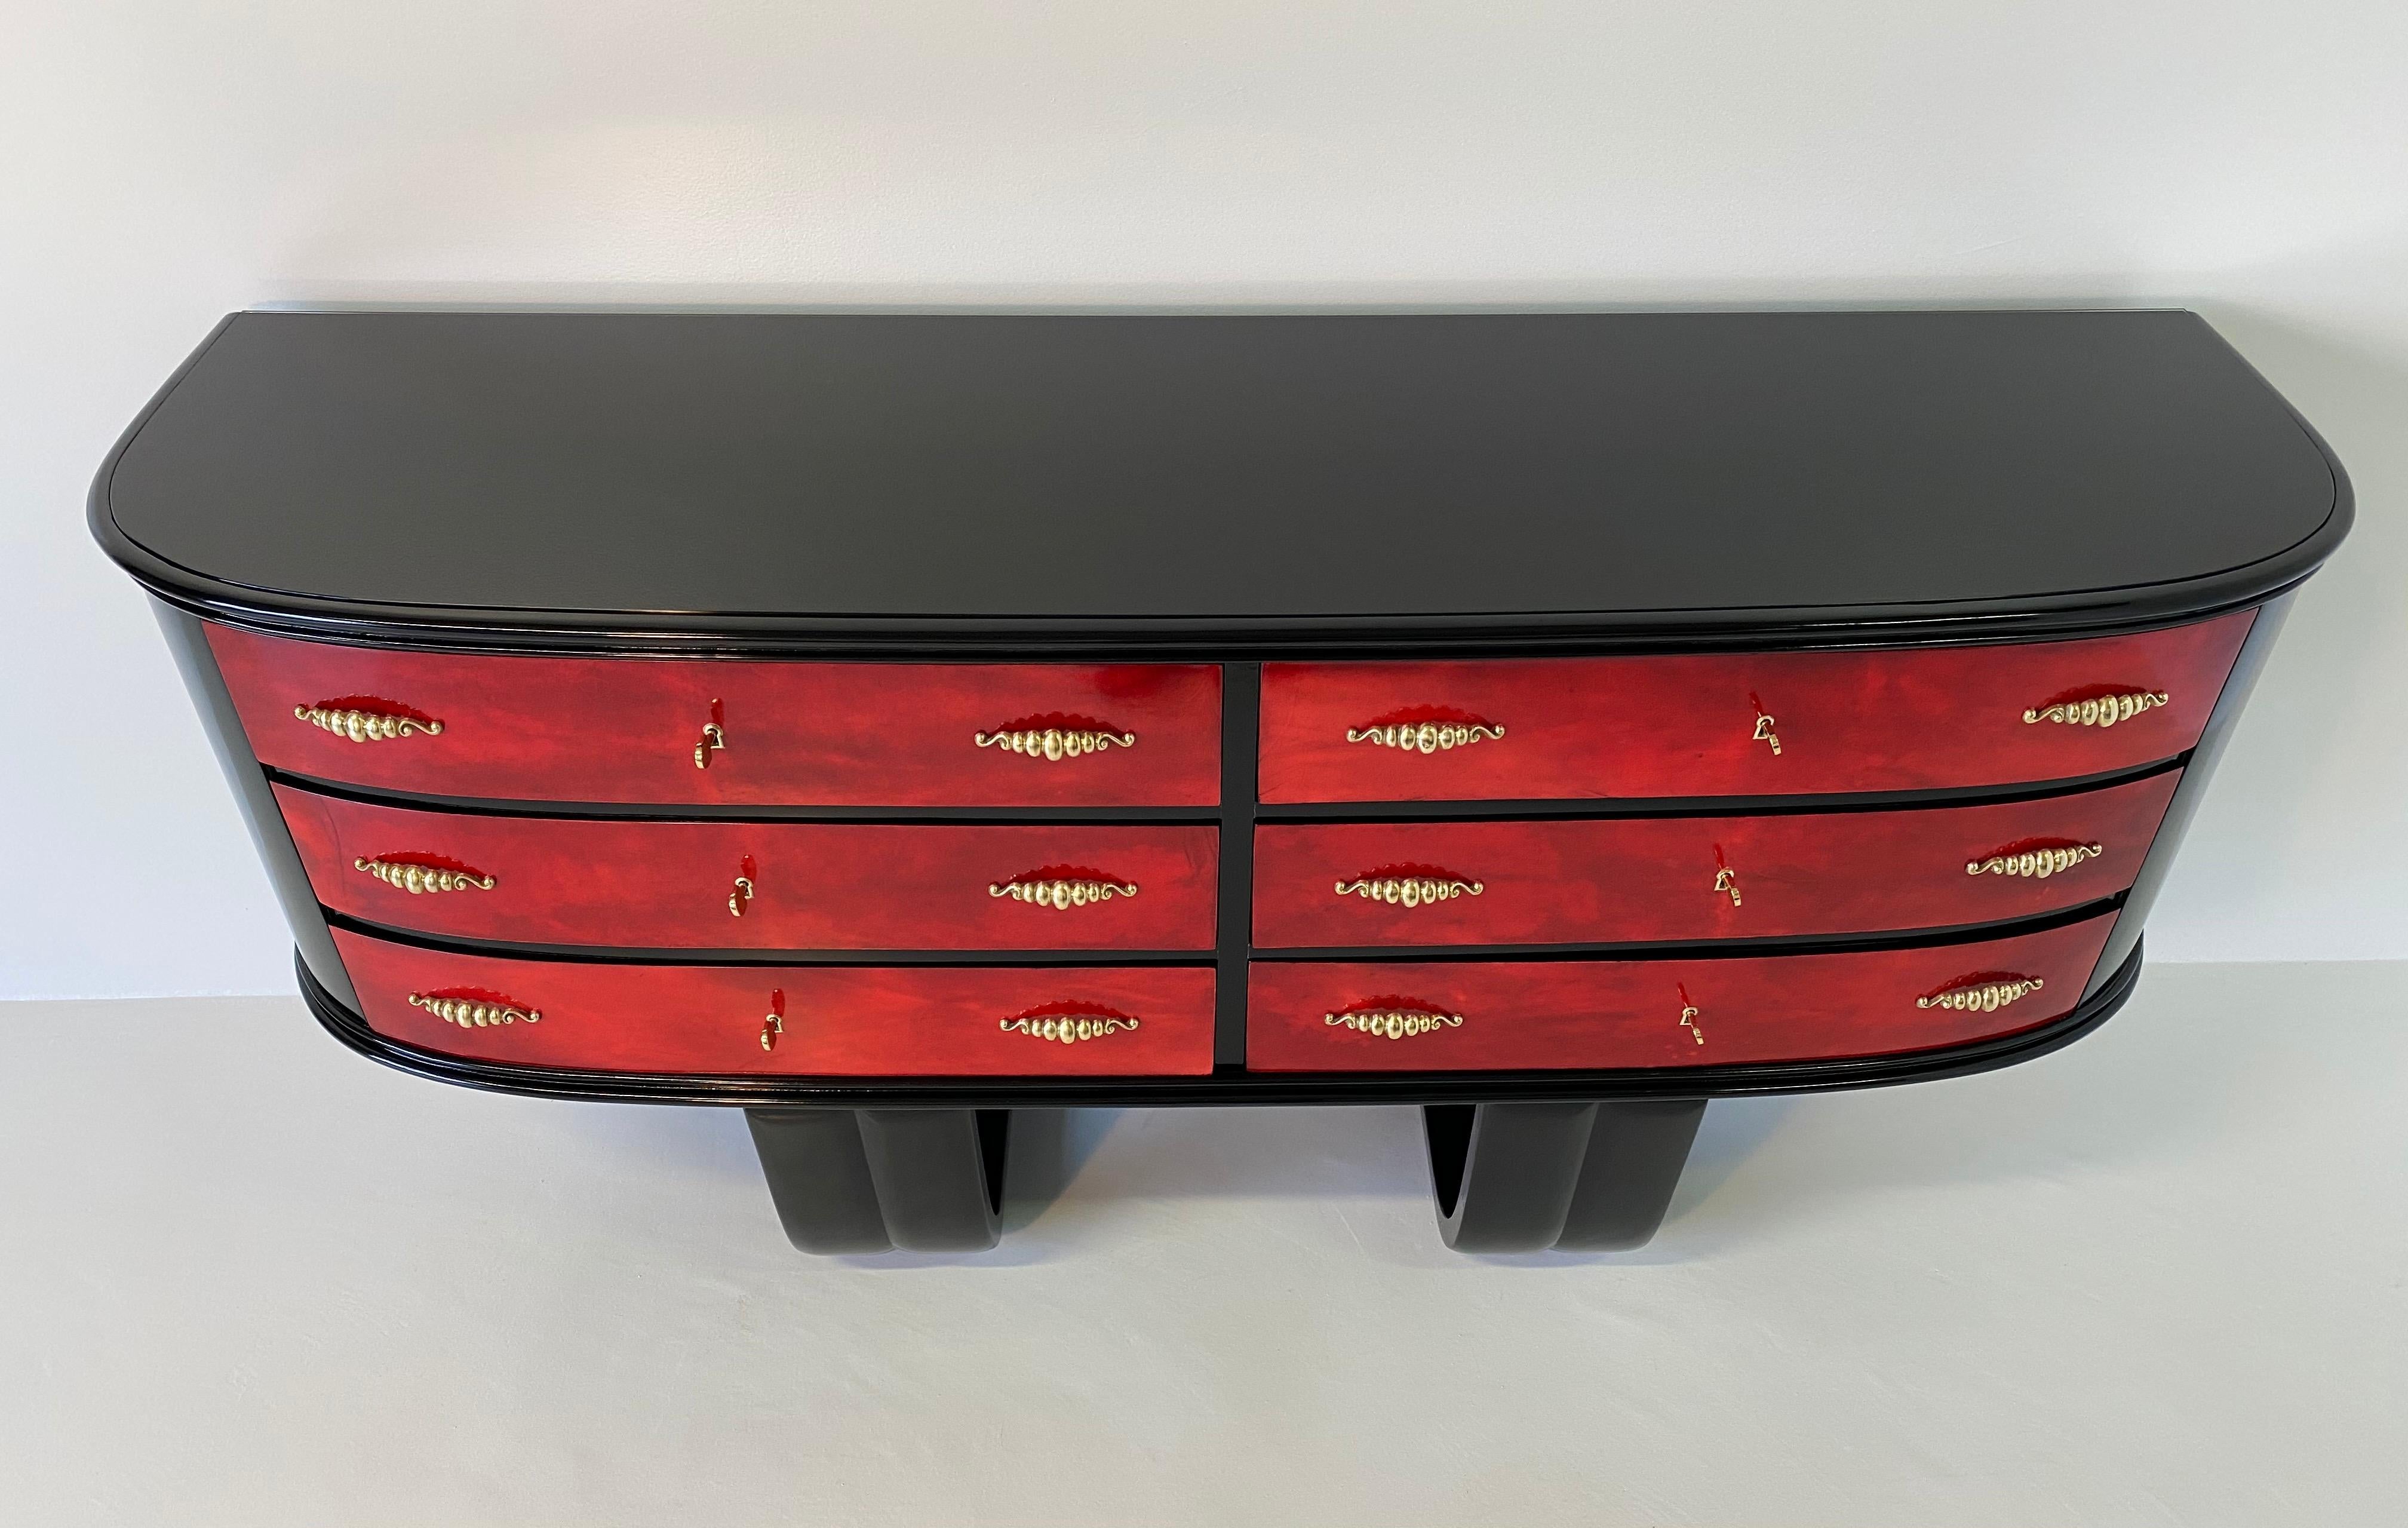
1580 882
1905 719
836 734
1580 1014
836 1021
814 885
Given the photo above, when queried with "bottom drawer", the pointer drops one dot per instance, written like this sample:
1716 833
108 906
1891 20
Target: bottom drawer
837 1021
1483 1016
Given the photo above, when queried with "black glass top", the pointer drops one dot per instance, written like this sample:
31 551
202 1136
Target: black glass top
1370 469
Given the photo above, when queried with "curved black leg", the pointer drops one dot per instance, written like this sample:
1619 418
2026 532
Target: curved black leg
940 1175
1636 1151
875 1180
1521 1177
819 1179
1504 1173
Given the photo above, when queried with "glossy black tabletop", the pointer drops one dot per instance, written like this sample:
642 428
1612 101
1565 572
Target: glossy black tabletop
1269 475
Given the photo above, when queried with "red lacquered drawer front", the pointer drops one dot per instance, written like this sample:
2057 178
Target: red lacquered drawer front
799 886
1602 1014
631 729
1681 878
1906 719
831 1020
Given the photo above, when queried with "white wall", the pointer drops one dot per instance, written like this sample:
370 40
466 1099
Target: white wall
159 165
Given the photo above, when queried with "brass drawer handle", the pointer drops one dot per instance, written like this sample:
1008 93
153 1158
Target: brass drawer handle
774 1023
1394 1023
2099 710
1055 738
1426 734
1061 886
1689 1016
741 898
1069 1022
1982 994
418 877
1409 886
355 721
1727 883
471 1012
2037 861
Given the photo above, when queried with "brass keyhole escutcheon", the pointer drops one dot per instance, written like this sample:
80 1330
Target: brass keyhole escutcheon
1726 880
714 737
741 898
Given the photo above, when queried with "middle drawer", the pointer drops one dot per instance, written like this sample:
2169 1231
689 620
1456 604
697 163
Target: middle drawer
1635 879
759 884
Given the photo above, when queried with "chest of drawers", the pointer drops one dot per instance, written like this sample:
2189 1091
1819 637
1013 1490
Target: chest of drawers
881 724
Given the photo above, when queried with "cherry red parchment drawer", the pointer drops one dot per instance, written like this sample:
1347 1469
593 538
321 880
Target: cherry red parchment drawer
817 1020
1760 724
1692 878
1482 1016
759 884
707 730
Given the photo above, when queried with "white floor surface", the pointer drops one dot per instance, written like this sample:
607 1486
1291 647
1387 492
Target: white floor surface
2161 1276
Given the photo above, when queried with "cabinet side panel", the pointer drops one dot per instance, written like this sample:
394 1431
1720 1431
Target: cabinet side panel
188 640
2246 666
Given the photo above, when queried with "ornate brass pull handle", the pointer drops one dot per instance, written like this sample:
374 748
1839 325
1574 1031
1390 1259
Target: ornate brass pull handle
1982 994
1765 734
1061 887
2037 861
1069 1022
2099 710
1406 887
1055 738
418 877
774 1023
1394 1023
471 1012
1726 880
1689 1022
741 898
1419 734
359 724
714 739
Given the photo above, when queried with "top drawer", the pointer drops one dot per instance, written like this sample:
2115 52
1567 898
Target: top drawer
1743 723
710 731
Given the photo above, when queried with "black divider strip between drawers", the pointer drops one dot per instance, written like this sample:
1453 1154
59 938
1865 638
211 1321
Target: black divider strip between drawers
1232 961
1241 704
1698 950
631 955
1614 807
1241 772
925 817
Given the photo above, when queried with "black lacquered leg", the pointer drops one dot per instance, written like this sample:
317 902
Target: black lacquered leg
819 1179
1504 1173
1521 1177
940 1175
1635 1155
874 1180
